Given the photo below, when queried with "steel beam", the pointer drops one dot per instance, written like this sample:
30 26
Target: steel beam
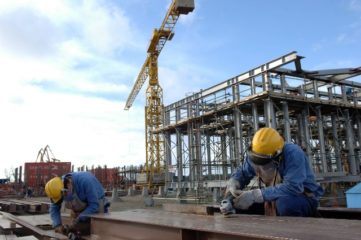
163 225
41 234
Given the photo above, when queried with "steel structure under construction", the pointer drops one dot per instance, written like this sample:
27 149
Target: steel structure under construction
207 134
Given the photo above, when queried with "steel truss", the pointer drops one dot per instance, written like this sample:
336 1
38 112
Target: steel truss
207 134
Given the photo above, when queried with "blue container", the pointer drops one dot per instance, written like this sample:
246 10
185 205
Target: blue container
353 196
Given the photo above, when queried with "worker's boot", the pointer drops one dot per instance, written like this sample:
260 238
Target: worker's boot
227 205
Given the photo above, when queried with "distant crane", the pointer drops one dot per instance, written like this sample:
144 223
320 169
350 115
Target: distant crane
43 154
154 95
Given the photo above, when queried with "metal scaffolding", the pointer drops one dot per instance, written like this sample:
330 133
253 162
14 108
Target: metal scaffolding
207 134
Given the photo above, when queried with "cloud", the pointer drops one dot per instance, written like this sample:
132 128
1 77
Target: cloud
355 5
79 129
65 77
25 33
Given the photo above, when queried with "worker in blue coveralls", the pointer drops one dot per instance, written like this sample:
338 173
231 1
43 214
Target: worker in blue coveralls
283 169
81 192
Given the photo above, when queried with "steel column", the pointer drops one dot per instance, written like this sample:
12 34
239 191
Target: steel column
307 137
198 153
168 155
350 143
336 142
283 83
321 139
224 156
209 157
191 151
231 149
179 159
269 113
286 122
237 135
237 126
343 92
358 123
315 89
254 106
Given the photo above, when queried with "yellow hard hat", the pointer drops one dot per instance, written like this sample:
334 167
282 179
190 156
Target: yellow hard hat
53 189
267 144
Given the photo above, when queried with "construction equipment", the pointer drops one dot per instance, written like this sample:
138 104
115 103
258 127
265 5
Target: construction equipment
227 206
44 154
154 95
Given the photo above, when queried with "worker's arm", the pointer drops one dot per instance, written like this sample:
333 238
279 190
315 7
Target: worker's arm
294 175
55 214
90 191
244 174
93 203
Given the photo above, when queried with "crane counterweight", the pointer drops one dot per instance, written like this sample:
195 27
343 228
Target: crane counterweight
184 6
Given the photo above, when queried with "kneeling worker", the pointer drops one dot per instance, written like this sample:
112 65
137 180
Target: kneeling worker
290 186
81 192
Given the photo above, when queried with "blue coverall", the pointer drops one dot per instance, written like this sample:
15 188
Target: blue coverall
88 189
297 181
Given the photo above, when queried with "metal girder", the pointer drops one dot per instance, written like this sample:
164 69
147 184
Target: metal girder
329 76
41 234
283 60
274 64
163 225
323 77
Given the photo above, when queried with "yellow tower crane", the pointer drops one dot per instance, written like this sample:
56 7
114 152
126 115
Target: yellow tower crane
154 144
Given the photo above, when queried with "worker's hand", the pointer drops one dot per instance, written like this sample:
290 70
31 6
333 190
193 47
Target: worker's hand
233 187
73 223
59 229
247 198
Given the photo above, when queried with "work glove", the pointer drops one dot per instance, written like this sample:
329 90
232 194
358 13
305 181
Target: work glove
247 198
59 229
73 223
71 226
233 188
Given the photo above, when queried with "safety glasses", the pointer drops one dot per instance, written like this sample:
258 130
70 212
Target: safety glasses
261 159
264 168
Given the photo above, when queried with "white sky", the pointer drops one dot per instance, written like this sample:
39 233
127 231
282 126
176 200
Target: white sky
67 67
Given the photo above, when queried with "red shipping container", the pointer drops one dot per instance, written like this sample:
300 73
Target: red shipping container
37 174
108 177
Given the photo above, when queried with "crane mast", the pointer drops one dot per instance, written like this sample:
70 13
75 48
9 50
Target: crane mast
154 94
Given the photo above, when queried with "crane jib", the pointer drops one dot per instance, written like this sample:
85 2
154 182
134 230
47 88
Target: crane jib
159 38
